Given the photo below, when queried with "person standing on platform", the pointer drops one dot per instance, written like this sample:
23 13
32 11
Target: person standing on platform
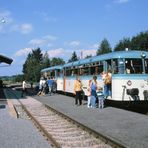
100 96
89 95
24 88
50 82
94 88
107 83
78 91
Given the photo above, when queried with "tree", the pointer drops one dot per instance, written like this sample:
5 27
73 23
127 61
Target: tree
19 78
46 61
104 47
88 56
73 57
33 65
57 61
140 42
123 44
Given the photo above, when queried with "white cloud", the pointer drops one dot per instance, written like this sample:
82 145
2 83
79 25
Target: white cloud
50 37
66 54
25 28
95 46
59 52
121 1
73 43
88 52
37 42
46 17
23 52
46 40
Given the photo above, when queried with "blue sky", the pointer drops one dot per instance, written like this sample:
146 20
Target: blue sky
60 27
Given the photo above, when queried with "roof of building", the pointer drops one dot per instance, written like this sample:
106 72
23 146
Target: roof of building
4 59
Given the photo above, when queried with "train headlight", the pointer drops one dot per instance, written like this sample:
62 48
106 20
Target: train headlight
143 55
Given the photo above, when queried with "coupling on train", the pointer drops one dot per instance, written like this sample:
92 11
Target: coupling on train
129 75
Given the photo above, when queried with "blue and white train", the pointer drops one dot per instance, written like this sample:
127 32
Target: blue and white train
129 75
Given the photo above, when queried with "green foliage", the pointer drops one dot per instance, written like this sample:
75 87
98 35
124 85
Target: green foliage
73 57
138 42
33 65
18 78
104 47
46 60
123 44
88 56
57 61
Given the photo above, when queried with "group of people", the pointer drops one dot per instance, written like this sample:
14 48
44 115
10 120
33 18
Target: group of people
95 93
46 86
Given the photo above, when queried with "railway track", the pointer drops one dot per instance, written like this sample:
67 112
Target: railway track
61 130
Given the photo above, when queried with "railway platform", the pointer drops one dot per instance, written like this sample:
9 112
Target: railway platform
125 127
18 133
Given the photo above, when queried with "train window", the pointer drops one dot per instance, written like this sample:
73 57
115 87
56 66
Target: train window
114 66
121 66
133 66
109 67
68 71
95 68
52 73
84 71
100 67
59 72
72 72
92 69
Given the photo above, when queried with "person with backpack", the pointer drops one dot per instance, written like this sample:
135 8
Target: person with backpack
107 85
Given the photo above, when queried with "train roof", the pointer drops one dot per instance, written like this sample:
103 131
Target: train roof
5 59
112 55
52 68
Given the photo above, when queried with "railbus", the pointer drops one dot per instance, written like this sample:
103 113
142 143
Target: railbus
129 75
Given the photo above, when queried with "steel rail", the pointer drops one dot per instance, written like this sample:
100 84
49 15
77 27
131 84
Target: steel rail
108 140
36 123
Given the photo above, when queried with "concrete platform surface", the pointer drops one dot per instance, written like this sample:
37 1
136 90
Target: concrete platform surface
19 133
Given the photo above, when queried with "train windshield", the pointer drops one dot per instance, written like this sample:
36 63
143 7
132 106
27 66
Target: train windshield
133 66
129 66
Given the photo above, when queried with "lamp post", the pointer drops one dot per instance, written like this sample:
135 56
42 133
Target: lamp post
2 20
143 56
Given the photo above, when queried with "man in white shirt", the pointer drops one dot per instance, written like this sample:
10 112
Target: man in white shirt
23 88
